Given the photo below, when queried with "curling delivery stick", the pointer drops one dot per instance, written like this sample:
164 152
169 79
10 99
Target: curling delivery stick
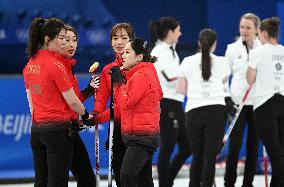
111 127
93 69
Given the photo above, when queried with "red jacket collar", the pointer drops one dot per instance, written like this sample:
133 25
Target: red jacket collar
118 60
68 62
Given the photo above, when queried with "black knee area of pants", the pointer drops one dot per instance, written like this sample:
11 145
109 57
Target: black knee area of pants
127 177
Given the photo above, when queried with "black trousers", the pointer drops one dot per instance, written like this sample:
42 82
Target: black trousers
52 156
136 170
269 119
236 139
205 127
172 132
81 165
119 149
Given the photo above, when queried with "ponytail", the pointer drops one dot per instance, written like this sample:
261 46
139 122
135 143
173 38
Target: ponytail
207 37
36 40
205 61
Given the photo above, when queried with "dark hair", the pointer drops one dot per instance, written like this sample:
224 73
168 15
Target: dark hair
39 29
206 39
70 28
142 47
271 26
127 26
159 29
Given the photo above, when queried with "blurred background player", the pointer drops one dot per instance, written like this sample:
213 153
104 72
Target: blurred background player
266 71
164 37
237 55
203 76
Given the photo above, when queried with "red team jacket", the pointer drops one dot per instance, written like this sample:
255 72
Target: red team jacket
139 101
46 77
103 94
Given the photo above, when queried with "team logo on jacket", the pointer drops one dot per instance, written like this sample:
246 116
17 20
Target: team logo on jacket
278 66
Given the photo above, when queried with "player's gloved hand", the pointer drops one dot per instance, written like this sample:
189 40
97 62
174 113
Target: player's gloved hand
231 108
75 126
117 76
89 120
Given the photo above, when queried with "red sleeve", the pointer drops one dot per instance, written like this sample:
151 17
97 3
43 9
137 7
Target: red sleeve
103 93
134 90
60 76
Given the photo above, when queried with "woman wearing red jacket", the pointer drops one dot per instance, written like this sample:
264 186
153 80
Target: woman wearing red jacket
81 165
50 95
138 98
121 33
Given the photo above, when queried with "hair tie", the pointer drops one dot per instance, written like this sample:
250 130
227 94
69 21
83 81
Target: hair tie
145 44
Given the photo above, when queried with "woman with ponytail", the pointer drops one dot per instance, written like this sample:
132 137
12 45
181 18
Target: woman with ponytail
138 96
164 37
50 96
266 71
202 78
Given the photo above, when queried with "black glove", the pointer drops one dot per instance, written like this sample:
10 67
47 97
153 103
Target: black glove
230 108
75 126
117 76
89 90
89 122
